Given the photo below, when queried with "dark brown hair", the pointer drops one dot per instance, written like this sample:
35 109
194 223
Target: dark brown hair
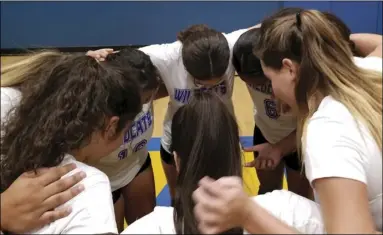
60 109
128 57
205 52
206 139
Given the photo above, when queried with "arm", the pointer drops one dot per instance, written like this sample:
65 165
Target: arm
336 158
367 44
30 201
288 144
162 92
259 221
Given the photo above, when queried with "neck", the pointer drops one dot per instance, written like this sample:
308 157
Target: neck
80 154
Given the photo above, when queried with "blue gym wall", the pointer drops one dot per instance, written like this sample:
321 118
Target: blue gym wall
82 24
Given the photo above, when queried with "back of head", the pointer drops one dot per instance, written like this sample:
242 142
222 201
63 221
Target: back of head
205 52
206 139
244 60
60 110
326 67
27 69
149 78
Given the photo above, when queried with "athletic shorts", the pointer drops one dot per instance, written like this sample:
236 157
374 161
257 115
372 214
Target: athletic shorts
168 158
117 193
291 160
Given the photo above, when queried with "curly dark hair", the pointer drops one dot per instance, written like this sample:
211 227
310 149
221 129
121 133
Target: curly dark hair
149 78
60 110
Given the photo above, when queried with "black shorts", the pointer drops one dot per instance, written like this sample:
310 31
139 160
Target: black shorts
117 193
291 160
168 158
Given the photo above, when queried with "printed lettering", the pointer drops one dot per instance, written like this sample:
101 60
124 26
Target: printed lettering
271 108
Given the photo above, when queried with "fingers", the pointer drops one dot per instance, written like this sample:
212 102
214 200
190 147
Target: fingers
63 184
36 173
229 181
61 198
250 164
255 148
51 216
55 173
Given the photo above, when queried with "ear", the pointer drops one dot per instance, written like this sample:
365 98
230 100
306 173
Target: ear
291 67
111 127
176 161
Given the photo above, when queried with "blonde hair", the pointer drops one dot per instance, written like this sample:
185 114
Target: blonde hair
326 68
17 73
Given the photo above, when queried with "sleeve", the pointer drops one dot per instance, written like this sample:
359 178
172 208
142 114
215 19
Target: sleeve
233 37
372 63
144 225
163 56
9 98
92 210
334 149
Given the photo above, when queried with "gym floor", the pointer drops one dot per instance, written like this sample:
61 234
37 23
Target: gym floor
244 113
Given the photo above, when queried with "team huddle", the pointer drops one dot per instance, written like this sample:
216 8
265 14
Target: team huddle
75 130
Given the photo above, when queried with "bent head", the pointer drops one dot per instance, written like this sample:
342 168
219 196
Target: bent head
81 107
306 58
148 78
203 145
247 65
205 54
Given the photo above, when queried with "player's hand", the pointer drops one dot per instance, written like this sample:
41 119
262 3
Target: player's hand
30 201
269 156
100 54
220 205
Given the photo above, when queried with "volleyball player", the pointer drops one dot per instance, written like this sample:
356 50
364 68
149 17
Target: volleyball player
313 70
198 60
61 112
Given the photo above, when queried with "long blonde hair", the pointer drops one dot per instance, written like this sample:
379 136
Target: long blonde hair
17 73
326 68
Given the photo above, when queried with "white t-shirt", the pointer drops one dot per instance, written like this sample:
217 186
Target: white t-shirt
167 58
273 125
292 209
122 165
92 210
336 147
10 97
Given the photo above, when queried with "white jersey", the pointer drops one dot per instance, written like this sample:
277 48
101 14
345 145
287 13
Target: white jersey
296 211
122 165
92 210
10 97
336 146
179 84
273 125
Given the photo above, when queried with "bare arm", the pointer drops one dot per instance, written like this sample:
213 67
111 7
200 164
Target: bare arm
367 44
344 214
288 144
162 92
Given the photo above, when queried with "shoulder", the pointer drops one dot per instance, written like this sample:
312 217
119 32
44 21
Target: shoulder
92 210
160 221
233 36
167 51
10 97
93 175
336 144
372 63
